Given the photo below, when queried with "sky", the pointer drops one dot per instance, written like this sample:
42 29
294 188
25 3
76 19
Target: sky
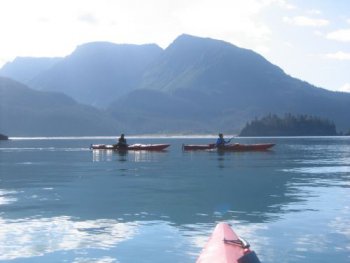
309 40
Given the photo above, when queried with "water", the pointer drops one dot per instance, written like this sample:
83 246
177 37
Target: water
61 202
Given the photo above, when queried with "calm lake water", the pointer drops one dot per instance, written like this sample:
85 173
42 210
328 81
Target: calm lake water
61 202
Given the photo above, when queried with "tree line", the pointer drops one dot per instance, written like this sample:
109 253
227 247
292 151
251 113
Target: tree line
3 137
289 125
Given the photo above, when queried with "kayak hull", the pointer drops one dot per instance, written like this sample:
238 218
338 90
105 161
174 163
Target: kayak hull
237 147
224 246
132 147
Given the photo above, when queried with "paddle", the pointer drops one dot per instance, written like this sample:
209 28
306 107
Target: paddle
228 141
231 138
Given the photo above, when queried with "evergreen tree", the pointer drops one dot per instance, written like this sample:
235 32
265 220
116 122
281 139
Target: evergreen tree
289 125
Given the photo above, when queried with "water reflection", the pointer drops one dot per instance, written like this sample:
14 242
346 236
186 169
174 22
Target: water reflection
7 197
122 156
102 156
320 170
340 225
102 240
184 188
221 159
104 206
33 237
146 156
227 159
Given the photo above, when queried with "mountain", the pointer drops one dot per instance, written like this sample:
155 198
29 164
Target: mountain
196 84
151 111
208 65
27 112
24 69
223 86
99 72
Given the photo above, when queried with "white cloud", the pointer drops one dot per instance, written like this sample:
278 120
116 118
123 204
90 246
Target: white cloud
342 35
315 12
88 18
289 44
319 33
305 21
281 3
338 55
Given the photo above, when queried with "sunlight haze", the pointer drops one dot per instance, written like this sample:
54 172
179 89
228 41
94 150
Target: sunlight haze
307 39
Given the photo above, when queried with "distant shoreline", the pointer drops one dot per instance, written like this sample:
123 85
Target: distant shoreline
162 136
146 136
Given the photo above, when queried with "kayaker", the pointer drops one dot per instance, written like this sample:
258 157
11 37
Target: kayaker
220 142
122 142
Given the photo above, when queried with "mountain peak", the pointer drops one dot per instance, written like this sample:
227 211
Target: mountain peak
24 69
190 40
96 73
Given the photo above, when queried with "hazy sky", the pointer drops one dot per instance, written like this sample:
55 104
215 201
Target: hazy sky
308 39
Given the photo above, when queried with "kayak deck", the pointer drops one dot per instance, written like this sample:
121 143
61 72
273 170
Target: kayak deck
132 147
229 147
224 246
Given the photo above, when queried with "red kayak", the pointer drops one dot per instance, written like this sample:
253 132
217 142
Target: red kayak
132 147
237 147
224 246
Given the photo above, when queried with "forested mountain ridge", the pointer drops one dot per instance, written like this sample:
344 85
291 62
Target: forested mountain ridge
289 125
207 64
99 72
27 112
222 86
194 85
24 69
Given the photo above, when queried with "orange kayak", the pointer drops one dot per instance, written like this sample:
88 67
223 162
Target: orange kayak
224 246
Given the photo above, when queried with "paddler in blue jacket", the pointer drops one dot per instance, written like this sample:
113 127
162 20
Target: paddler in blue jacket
220 142
122 142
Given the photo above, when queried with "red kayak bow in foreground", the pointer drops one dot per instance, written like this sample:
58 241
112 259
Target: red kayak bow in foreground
224 246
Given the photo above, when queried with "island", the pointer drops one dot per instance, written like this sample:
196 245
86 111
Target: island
289 125
3 137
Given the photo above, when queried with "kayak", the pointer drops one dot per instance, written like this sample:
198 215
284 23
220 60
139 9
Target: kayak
237 147
132 147
224 246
